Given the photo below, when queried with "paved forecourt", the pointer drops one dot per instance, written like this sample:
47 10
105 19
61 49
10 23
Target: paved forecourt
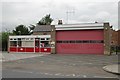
16 56
56 65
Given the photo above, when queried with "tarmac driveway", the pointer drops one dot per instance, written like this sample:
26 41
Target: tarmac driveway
70 66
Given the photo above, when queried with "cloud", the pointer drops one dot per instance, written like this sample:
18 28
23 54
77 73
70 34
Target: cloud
119 15
102 16
30 12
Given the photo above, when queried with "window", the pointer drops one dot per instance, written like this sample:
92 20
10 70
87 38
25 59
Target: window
85 41
19 38
15 39
44 33
42 38
44 44
31 38
28 43
47 38
72 41
59 41
19 43
23 38
27 38
64 41
11 39
93 41
37 39
13 43
80 41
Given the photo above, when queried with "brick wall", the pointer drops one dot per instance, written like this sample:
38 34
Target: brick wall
52 33
107 39
119 37
42 33
115 37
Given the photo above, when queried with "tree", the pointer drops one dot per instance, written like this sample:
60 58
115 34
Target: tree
45 20
21 30
4 41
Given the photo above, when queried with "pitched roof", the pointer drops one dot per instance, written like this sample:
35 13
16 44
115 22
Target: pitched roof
40 28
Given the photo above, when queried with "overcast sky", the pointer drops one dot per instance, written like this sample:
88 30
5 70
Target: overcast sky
30 12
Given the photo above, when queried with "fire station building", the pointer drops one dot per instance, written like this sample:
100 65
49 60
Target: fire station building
85 38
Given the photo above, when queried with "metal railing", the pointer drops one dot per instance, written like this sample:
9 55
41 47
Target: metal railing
115 49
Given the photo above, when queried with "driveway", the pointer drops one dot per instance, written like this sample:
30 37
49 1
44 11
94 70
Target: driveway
61 66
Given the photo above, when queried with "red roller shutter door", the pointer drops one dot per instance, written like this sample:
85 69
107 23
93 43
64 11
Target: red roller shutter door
81 42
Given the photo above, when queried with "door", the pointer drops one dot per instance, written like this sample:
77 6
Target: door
80 42
37 45
45 45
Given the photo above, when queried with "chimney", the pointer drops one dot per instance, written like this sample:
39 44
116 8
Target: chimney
59 22
96 22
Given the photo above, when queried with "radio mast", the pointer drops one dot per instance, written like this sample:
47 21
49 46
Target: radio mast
67 14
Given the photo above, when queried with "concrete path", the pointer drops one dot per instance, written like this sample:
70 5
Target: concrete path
112 68
4 56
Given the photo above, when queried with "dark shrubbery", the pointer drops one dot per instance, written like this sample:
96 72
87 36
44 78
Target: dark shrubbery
115 48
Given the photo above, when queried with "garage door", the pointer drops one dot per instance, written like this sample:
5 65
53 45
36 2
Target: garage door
79 42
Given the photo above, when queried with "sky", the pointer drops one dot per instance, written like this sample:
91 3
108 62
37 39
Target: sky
26 12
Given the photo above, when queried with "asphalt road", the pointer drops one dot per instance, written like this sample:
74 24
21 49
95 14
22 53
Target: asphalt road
25 74
60 66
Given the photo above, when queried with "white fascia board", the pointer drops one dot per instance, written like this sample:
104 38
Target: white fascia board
31 36
43 36
79 28
81 25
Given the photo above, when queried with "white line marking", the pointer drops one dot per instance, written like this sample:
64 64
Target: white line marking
73 74
62 75
46 73
67 75
58 74
49 74
43 73
84 76
22 71
103 77
78 75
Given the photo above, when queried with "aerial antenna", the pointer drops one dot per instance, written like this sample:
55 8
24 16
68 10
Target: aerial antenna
67 14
